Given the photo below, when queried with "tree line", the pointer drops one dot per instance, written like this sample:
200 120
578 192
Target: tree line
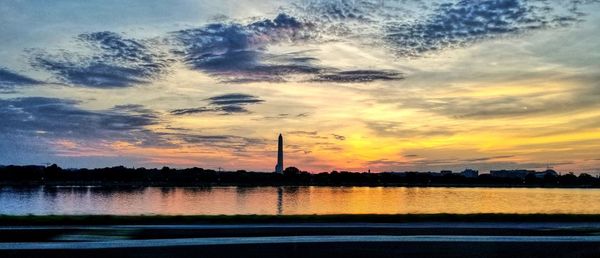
120 175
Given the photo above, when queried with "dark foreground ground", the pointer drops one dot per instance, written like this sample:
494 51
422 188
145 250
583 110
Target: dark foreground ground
483 235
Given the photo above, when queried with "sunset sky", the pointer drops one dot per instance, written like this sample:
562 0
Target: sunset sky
352 85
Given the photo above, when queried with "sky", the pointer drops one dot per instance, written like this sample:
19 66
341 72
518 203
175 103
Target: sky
380 85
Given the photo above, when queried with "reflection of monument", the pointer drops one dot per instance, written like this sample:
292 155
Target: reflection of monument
279 166
279 200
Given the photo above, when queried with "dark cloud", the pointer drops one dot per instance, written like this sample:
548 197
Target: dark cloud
386 163
114 62
237 53
133 108
346 17
359 76
9 80
231 52
224 110
189 111
309 133
488 158
62 118
415 27
41 121
237 143
464 22
339 137
226 104
235 99
233 109
276 117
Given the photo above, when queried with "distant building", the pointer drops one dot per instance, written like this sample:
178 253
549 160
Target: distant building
518 173
432 174
470 173
279 166
548 172
446 172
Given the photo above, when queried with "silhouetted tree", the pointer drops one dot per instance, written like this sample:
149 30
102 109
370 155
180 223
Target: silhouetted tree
586 179
550 179
291 171
292 176
52 172
530 179
568 179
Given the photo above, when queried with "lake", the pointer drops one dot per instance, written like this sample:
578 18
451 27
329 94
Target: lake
293 200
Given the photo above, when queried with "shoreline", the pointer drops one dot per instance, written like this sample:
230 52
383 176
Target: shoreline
162 184
25 220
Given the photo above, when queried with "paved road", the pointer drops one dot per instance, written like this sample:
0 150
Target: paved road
309 240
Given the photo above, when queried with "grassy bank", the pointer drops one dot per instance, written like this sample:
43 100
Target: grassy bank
6 220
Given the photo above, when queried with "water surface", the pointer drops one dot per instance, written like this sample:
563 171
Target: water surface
294 200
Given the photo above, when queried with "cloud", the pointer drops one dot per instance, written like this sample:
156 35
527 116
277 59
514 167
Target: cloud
488 158
112 62
359 76
452 164
348 17
62 118
506 106
50 121
339 137
234 99
237 53
232 52
412 28
188 111
309 133
226 104
465 22
332 11
401 130
238 143
276 117
9 80
224 110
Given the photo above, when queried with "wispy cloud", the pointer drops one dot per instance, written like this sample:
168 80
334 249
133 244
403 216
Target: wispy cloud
359 76
488 158
339 137
228 142
62 118
111 62
237 53
226 104
309 133
465 22
506 106
234 99
9 80
412 28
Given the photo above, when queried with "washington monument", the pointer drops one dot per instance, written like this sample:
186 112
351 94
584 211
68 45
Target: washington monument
279 166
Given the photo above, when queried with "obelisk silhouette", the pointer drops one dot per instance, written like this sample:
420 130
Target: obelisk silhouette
279 166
